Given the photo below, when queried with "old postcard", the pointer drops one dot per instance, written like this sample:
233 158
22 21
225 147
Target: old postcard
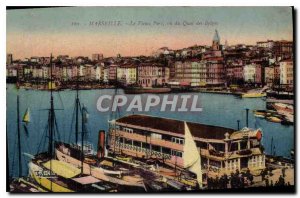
150 99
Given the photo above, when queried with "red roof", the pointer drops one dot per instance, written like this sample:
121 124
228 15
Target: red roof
175 126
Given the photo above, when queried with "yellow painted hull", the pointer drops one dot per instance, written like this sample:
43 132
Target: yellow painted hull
30 184
254 95
274 119
46 182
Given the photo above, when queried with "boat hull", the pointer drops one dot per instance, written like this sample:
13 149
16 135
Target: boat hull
44 181
254 95
147 90
94 171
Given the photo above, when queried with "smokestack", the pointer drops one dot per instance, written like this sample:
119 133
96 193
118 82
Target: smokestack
101 144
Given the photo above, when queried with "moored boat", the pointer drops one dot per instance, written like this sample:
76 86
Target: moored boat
105 169
46 178
254 95
283 107
140 90
24 185
59 176
259 116
274 119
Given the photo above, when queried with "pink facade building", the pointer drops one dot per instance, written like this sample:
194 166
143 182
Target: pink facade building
152 74
215 71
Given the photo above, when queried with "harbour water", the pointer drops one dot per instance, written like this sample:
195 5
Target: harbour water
218 110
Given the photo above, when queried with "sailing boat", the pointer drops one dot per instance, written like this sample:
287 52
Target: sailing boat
43 175
21 184
82 155
26 117
191 155
54 175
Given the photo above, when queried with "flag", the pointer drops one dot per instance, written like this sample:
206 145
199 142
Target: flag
26 117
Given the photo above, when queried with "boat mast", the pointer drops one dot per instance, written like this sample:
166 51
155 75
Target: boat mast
82 138
51 114
77 108
272 146
19 136
7 161
247 114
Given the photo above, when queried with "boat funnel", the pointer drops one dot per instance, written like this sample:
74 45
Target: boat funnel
101 144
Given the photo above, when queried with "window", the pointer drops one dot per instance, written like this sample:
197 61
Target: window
128 130
166 150
146 145
138 144
177 140
155 148
243 145
233 146
177 153
155 136
128 141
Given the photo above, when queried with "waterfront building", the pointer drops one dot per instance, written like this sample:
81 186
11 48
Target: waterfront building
190 72
126 74
276 67
11 71
98 71
37 71
152 74
105 74
234 72
89 72
27 71
45 70
81 70
269 75
75 71
252 73
69 72
20 72
215 72
286 72
64 73
57 72
112 73
221 149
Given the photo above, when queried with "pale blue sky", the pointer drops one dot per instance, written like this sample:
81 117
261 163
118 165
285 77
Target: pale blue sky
41 31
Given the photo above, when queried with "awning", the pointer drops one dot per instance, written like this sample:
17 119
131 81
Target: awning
185 83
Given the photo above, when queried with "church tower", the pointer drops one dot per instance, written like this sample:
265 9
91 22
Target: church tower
216 41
